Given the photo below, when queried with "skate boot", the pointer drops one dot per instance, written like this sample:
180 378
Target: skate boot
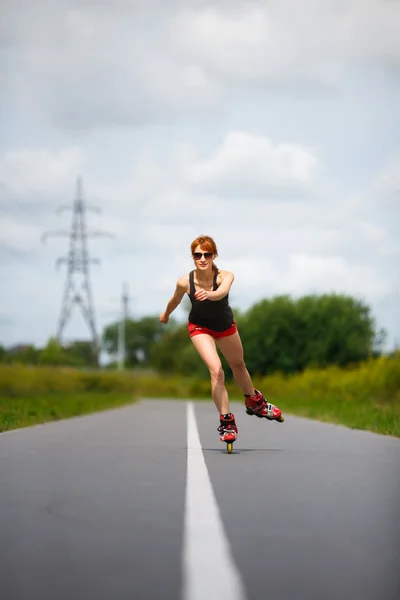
257 405
228 430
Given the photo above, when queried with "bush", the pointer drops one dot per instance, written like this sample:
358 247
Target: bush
376 380
365 396
22 380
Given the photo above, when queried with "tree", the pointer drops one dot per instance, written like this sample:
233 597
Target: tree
282 334
140 336
340 330
278 334
175 353
22 353
82 353
53 354
272 334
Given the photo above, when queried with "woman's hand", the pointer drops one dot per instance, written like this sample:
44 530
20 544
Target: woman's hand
164 318
201 295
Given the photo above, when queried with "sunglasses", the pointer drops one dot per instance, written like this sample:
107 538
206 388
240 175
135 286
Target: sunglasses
198 255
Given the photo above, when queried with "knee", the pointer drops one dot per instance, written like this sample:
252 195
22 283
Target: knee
217 374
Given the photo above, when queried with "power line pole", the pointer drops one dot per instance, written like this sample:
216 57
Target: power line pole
122 328
78 262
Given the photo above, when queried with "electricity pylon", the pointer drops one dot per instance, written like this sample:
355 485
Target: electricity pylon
78 262
121 328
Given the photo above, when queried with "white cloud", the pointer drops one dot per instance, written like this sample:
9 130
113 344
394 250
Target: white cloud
256 162
372 233
90 65
227 42
180 203
18 235
290 40
252 271
301 274
26 171
313 274
386 186
377 205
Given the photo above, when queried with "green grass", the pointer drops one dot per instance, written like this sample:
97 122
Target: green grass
366 396
367 415
35 409
370 416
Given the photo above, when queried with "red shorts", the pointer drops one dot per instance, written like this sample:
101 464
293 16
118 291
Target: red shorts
198 329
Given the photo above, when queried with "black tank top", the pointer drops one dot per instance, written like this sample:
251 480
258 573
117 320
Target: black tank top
214 314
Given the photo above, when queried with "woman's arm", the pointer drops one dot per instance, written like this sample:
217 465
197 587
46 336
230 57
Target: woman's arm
180 290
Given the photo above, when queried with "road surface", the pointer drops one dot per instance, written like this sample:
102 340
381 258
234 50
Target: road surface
144 503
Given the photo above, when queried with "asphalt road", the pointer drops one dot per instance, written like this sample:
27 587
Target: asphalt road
94 507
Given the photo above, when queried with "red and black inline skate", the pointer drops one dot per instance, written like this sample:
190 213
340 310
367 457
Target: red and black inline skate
257 405
228 430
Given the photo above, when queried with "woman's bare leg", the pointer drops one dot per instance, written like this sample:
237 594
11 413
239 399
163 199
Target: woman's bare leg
205 346
231 347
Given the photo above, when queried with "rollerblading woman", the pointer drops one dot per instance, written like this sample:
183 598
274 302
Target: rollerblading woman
211 324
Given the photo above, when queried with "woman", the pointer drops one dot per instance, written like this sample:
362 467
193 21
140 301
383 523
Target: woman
211 323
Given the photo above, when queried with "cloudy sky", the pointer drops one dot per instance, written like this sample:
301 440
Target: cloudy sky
272 125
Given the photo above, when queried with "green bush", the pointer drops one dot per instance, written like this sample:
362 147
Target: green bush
23 380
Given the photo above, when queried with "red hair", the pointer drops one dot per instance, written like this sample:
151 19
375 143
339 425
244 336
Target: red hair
206 243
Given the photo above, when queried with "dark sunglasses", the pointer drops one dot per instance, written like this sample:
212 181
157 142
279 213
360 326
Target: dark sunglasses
198 255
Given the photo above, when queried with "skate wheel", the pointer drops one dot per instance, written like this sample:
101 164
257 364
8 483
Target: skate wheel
229 447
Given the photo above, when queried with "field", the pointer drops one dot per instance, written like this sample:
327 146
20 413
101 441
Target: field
365 396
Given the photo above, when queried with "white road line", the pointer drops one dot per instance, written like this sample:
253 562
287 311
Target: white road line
209 571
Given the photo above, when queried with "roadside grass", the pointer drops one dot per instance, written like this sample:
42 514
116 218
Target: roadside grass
368 415
365 396
37 409
33 395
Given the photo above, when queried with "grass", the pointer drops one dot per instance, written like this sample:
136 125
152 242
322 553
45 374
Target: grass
369 416
36 409
365 396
